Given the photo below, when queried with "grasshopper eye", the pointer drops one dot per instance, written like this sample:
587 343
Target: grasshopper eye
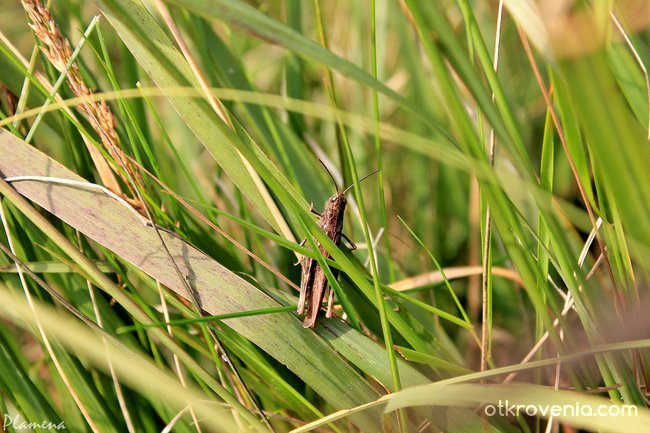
334 199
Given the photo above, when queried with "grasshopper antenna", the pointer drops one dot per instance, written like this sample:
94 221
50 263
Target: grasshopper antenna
360 180
330 174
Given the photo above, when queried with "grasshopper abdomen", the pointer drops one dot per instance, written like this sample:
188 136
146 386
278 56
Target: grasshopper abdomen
313 283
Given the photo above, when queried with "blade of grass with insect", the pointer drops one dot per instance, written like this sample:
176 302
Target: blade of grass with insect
304 355
340 294
413 90
346 265
403 138
338 371
347 159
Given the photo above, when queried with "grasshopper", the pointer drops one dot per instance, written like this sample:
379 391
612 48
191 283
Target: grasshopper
313 283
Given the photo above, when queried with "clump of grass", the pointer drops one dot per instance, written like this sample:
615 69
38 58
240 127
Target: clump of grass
507 219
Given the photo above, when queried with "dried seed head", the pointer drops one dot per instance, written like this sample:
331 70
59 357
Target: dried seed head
58 51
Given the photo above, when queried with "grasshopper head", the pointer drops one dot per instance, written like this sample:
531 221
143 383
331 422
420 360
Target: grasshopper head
336 202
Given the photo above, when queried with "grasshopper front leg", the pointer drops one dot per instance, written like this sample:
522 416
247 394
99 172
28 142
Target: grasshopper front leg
313 210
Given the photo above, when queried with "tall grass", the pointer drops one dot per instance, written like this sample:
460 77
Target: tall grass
157 172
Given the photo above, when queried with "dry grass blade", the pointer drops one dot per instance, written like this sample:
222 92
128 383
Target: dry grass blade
452 273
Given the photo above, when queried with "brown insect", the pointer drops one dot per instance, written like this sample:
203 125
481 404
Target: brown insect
313 283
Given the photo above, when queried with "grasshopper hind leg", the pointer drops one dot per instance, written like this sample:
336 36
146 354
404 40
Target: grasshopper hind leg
330 303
